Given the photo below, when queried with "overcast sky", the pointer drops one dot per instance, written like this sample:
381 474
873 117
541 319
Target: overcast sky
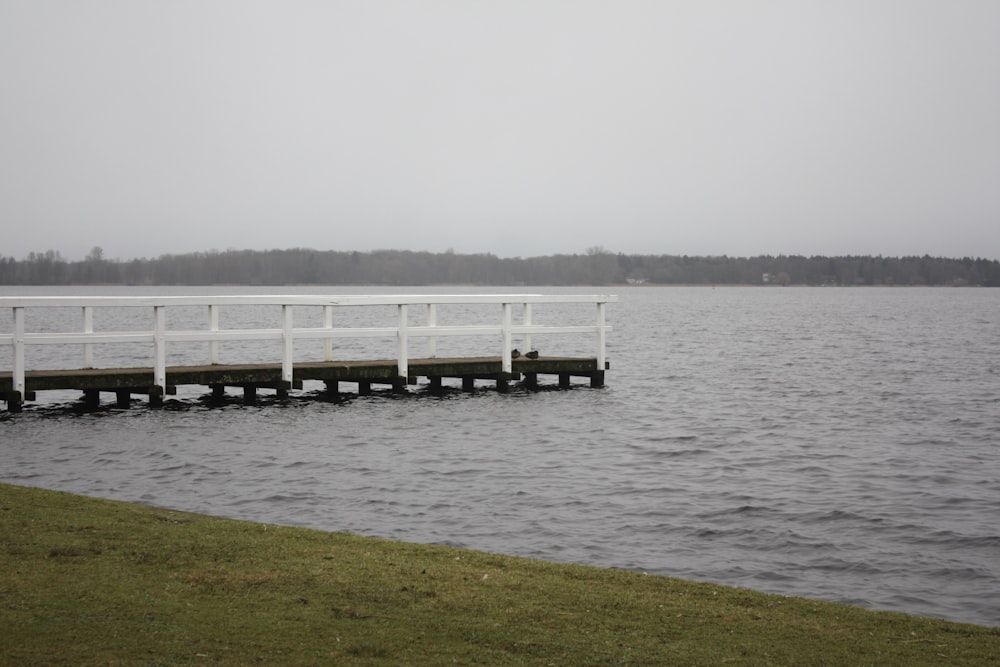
521 128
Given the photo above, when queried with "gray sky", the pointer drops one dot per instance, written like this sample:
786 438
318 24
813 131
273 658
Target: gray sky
521 128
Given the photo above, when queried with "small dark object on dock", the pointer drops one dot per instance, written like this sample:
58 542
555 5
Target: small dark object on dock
515 353
532 355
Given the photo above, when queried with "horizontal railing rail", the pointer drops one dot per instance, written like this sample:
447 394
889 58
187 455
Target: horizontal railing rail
159 336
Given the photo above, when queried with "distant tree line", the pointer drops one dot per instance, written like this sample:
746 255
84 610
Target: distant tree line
597 266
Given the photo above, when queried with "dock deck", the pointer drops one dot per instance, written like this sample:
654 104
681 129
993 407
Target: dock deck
124 382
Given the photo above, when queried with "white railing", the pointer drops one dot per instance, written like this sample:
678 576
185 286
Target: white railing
159 336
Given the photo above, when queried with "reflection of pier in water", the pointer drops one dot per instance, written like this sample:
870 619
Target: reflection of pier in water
157 380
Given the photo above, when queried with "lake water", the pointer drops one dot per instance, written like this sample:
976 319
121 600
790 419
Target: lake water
839 444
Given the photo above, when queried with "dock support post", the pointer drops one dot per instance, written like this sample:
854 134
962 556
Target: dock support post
531 380
91 398
364 388
332 387
122 398
503 385
218 392
14 402
468 383
435 382
249 394
597 379
564 380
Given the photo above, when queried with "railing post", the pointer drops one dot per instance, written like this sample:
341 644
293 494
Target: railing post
160 349
213 326
288 342
18 375
402 337
432 322
506 365
527 322
328 324
601 335
88 328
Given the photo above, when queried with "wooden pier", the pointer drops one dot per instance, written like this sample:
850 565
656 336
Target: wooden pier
288 373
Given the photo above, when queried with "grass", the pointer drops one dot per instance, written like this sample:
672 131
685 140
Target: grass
85 581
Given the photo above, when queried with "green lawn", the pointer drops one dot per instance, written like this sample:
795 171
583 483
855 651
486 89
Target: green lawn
85 581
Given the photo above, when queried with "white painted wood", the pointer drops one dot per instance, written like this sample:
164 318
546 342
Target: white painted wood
88 328
527 323
288 340
19 343
160 349
601 335
431 325
213 326
505 364
298 300
78 337
328 342
402 354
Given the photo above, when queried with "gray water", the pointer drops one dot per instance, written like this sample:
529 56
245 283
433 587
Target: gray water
838 444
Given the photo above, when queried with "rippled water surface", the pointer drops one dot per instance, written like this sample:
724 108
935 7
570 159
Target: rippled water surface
824 442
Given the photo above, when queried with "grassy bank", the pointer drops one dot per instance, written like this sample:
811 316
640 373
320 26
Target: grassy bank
87 581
